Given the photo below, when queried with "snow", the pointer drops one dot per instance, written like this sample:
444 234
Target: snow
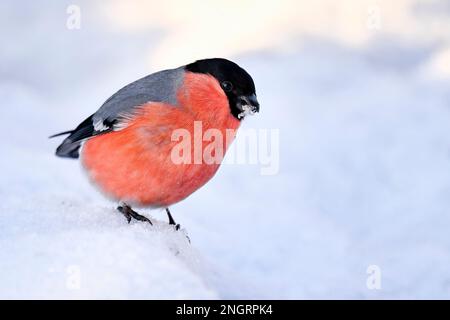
363 176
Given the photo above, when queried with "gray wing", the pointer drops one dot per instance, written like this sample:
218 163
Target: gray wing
158 87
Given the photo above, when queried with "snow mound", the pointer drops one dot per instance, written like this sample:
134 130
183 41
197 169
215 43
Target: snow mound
91 254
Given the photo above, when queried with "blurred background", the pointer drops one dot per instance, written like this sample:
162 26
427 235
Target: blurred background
359 91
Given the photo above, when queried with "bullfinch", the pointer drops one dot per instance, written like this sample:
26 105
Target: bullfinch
126 146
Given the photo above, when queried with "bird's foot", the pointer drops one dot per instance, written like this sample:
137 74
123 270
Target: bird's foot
172 221
130 213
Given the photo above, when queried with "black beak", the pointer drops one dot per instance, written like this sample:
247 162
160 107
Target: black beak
254 103
251 101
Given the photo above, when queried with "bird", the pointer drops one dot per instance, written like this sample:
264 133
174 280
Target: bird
127 146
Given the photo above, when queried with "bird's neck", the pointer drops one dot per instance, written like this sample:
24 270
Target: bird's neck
205 99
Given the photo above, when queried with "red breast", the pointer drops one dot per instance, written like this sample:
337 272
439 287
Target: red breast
134 164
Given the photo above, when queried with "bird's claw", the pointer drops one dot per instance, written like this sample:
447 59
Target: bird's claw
172 221
130 213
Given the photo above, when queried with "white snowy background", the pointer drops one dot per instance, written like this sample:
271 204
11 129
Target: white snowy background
360 93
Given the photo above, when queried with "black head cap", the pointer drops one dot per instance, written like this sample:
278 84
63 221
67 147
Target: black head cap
237 84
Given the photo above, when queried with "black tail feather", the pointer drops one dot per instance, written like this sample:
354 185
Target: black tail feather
70 147
61 134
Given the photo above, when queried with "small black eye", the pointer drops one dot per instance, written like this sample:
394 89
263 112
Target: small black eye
227 86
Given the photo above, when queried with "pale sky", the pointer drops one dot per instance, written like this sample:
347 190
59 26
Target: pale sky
196 29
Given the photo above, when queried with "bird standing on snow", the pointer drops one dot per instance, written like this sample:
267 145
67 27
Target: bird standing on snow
126 146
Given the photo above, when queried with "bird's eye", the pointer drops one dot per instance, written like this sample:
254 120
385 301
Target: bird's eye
227 86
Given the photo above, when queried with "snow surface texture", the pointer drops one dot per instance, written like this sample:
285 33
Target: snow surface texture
364 178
